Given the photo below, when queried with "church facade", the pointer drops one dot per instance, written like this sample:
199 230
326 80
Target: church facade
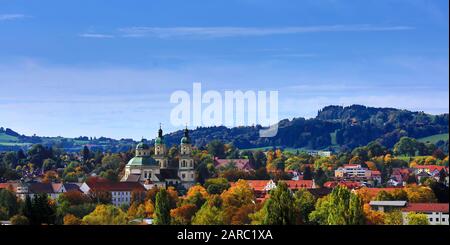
155 170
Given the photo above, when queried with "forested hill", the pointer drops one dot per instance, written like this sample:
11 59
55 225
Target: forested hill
334 127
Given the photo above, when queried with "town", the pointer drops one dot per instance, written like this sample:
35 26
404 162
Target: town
221 184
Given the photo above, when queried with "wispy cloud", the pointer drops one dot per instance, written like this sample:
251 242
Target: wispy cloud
5 17
218 32
96 35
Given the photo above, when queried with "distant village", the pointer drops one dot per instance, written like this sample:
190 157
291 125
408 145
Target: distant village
181 184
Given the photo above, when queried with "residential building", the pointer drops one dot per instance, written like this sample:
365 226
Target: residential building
120 192
437 213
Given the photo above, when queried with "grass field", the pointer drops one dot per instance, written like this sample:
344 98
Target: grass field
434 138
7 138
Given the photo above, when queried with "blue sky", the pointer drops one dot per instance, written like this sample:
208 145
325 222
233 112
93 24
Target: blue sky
107 68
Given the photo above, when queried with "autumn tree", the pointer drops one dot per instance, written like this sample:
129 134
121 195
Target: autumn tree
373 217
183 214
237 201
71 219
210 213
105 215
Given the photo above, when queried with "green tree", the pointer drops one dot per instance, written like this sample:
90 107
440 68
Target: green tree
406 146
162 209
417 219
216 148
304 202
209 214
341 207
8 201
216 185
280 206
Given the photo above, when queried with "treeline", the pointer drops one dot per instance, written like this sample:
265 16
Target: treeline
334 126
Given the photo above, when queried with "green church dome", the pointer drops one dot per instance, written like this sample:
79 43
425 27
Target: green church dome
142 161
159 141
185 140
142 146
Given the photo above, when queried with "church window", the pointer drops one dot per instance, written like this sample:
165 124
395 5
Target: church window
183 176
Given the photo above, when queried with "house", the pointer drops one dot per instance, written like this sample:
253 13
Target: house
399 176
120 192
260 187
240 164
354 171
437 213
53 190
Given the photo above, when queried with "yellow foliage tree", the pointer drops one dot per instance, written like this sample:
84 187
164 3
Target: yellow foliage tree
105 215
70 219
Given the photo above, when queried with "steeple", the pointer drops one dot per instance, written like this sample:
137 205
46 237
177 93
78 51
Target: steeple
185 139
160 132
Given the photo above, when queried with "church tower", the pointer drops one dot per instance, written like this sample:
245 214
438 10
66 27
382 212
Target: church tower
160 150
186 170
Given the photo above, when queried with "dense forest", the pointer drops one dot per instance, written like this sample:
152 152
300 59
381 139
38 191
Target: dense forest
334 128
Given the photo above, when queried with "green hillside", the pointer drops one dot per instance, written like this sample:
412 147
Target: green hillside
434 138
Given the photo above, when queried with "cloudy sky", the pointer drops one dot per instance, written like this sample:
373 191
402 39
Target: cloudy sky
108 68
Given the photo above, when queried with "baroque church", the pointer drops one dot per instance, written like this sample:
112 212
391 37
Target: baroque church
155 170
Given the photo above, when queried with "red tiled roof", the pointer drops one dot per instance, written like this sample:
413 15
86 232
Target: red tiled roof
426 207
115 186
374 191
12 186
375 172
348 184
241 164
297 184
430 167
257 185
351 165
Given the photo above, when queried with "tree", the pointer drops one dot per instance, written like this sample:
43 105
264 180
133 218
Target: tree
209 214
307 173
216 148
373 217
70 219
406 146
183 215
420 194
162 208
8 202
304 203
393 218
216 185
413 218
236 202
341 207
86 154
105 215
19 220
280 206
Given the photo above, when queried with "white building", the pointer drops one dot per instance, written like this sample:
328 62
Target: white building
437 213
120 192
352 171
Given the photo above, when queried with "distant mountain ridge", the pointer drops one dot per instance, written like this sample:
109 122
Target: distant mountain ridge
334 127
